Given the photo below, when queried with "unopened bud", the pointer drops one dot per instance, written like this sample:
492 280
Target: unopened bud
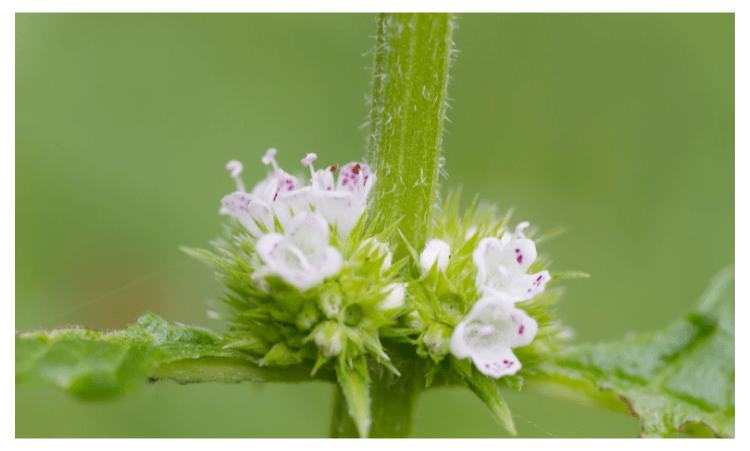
328 338
437 339
435 250
395 298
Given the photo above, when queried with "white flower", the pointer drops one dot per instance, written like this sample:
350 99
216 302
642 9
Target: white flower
343 204
284 192
247 208
435 250
302 255
489 331
283 195
395 298
502 265
276 194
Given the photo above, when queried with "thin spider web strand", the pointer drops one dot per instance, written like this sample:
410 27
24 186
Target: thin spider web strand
109 294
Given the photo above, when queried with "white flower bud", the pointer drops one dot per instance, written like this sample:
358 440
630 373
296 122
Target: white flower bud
395 298
435 250
328 338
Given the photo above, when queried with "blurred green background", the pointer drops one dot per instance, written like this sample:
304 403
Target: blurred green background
620 127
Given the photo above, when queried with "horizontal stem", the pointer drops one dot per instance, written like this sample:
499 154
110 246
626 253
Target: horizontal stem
225 369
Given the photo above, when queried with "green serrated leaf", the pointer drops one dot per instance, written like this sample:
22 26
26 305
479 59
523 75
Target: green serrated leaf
354 381
673 379
101 366
85 367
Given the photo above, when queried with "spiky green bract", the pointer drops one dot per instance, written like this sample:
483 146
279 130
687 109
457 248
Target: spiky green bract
442 300
332 325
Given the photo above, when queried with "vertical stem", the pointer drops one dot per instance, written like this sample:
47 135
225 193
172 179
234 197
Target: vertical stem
394 402
410 81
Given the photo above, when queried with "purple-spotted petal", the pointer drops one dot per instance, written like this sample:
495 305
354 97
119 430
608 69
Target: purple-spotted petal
291 203
247 209
502 265
266 246
489 331
497 363
526 286
525 329
323 180
356 178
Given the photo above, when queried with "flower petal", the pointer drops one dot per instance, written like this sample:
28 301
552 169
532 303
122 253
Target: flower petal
526 329
308 231
526 286
485 247
323 180
329 265
247 208
496 362
459 345
356 178
489 331
295 202
302 256
520 254
502 265
266 245
342 209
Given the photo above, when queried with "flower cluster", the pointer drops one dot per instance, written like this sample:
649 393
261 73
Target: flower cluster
306 280
309 281
493 324
282 195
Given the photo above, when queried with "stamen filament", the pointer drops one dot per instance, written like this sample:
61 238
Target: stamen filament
308 160
236 168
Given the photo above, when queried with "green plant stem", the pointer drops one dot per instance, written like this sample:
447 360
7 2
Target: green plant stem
225 369
394 400
410 81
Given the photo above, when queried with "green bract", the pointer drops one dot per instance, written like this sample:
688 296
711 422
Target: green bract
359 316
275 323
387 295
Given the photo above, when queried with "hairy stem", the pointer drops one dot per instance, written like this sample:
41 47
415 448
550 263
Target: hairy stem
393 399
410 81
